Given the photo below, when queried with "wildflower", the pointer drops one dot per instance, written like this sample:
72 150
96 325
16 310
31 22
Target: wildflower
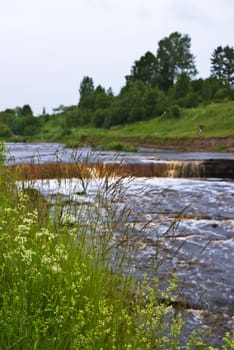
56 268
24 229
45 233
46 260
61 252
20 239
27 255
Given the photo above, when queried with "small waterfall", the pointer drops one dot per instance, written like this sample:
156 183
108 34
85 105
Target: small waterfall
213 168
186 169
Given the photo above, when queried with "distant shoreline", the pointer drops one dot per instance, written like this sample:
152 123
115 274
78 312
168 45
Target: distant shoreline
212 144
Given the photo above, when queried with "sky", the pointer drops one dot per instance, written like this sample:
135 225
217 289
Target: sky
48 46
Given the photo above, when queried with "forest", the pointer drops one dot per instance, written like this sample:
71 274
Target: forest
157 85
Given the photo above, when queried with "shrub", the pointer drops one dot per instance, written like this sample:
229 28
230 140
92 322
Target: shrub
117 146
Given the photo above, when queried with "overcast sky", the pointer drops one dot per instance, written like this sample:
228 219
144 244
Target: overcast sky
48 46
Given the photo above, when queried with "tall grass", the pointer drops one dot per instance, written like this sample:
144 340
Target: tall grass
57 290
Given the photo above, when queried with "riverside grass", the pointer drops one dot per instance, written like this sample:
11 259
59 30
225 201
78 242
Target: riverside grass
217 119
58 292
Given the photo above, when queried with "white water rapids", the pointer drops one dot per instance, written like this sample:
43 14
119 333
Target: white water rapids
198 244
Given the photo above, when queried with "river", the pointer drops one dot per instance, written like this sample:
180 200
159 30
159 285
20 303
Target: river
182 225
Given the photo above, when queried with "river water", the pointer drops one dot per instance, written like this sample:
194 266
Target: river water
172 225
28 153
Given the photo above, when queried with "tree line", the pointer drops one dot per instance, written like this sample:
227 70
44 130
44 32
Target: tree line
158 85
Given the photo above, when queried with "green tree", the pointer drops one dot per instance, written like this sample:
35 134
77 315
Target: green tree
86 91
102 99
155 102
144 70
131 101
222 64
26 111
9 117
5 131
217 63
182 86
210 88
173 58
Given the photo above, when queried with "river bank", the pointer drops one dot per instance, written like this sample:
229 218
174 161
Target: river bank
200 144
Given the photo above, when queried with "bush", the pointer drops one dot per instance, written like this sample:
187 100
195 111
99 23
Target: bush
117 146
5 131
174 111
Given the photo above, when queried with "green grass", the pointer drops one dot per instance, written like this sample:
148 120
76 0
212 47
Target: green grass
217 118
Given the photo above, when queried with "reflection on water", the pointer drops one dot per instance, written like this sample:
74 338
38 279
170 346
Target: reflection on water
198 246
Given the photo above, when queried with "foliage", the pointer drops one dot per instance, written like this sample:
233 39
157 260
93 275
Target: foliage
174 111
222 64
5 131
86 92
173 58
144 70
2 154
26 111
117 146
182 86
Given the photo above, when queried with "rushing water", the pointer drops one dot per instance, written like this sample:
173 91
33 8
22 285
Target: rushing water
197 244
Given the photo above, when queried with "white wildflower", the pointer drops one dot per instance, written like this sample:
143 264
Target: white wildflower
20 239
24 229
27 255
47 260
56 268
45 233
61 252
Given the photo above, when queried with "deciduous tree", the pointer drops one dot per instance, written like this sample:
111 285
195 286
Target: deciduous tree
173 58
144 70
222 64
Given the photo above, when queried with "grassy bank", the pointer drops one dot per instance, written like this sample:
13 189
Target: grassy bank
166 131
178 131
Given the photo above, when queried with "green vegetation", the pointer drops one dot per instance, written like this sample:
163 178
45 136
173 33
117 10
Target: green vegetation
217 119
117 146
161 96
57 291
